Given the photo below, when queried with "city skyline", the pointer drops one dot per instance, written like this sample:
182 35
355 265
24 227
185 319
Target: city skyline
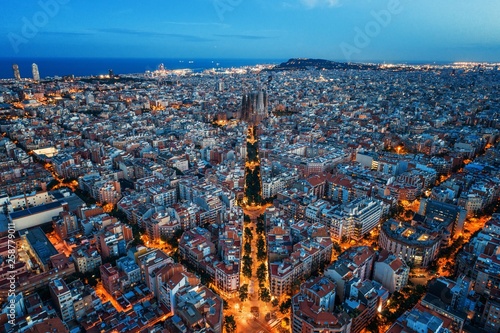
272 199
392 30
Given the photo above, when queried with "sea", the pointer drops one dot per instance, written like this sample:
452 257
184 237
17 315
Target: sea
50 67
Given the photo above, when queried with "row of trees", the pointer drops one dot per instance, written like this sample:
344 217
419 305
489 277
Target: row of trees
262 274
448 253
247 266
230 324
261 227
285 306
247 259
264 295
252 179
248 234
253 186
252 152
243 292
402 301
261 249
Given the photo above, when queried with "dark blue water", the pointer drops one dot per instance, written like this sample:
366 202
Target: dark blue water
97 66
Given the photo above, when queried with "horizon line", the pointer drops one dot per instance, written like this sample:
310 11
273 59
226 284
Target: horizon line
395 62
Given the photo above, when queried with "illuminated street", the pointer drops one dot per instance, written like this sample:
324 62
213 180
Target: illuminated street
60 246
246 319
73 185
471 226
105 297
242 311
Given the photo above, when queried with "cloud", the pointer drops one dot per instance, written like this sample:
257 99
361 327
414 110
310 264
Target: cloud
480 45
213 24
244 37
66 33
131 32
320 3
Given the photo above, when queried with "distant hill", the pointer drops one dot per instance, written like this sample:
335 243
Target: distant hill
304 64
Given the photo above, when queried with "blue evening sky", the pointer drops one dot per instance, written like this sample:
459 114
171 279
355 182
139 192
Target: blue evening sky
423 30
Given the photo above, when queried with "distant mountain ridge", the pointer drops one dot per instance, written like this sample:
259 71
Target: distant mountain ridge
305 63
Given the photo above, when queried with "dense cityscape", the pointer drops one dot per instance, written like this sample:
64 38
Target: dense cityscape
310 196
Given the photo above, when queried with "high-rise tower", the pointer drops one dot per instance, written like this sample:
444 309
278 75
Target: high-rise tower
220 85
17 75
36 74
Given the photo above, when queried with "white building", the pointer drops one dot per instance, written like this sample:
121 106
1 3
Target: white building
169 280
271 186
29 200
86 259
391 271
61 295
363 215
355 219
109 192
35 216
227 276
